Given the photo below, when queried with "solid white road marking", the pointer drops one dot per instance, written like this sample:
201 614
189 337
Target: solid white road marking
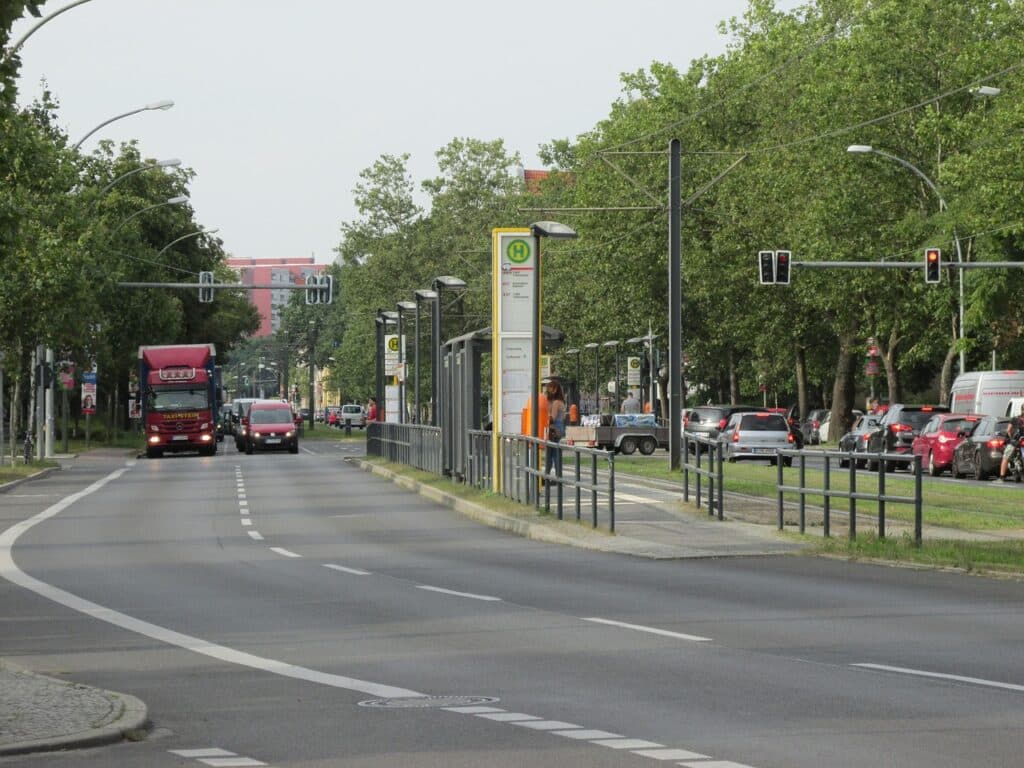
306 450
943 676
619 496
256 535
649 630
459 594
585 734
231 762
670 754
343 569
10 571
213 752
285 552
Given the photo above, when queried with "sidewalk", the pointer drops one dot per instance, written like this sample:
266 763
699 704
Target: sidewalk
41 714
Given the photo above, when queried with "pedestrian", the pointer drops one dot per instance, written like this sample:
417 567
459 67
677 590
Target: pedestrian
1013 434
371 409
332 417
631 404
556 426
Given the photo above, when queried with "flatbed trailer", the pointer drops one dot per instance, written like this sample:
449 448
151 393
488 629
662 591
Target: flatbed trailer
625 440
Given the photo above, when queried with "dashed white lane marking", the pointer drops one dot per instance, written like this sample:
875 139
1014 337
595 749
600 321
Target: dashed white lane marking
243 503
256 535
547 725
715 764
474 710
649 630
241 496
231 762
246 521
670 754
343 569
212 752
470 595
285 552
943 676
627 743
10 571
243 512
507 717
586 734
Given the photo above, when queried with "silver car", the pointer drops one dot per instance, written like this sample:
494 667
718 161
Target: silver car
756 436
354 414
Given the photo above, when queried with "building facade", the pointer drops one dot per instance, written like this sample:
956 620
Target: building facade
270 302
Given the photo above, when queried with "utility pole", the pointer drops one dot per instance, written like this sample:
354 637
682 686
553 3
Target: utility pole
675 306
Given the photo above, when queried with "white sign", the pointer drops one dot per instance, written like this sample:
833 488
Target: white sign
514 261
632 371
545 366
516 282
391 402
391 354
515 382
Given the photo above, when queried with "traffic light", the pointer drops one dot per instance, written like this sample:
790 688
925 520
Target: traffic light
312 290
766 263
205 287
932 265
326 289
782 267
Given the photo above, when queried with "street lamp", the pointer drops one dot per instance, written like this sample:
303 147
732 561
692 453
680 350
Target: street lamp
577 353
423 294
169 201
197 233
439 285
171 162
13 49
618 389
863 149
165 104
597 373
401 307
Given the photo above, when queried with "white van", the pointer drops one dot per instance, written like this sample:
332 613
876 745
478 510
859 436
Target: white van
1015 407
987 393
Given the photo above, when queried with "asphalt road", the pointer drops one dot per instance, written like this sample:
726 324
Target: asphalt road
253 602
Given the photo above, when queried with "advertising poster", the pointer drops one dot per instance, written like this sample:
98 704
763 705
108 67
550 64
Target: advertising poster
89 393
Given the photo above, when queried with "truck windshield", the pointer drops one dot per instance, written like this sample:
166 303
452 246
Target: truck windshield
163 400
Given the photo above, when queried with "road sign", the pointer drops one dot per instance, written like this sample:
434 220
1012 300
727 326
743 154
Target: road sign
632 371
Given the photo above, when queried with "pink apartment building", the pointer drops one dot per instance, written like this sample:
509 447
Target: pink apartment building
286 271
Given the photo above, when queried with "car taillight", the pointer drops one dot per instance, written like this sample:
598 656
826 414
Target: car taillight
996 442
735 435
790 438
901 428
865 438
816 423
721 423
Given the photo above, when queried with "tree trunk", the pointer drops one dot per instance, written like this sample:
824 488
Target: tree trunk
734 381
843 388
801 381
889 360
15 400
945 378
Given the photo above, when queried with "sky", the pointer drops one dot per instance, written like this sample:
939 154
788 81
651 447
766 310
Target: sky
280 105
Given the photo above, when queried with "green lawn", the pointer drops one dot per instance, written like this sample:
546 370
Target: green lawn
19 470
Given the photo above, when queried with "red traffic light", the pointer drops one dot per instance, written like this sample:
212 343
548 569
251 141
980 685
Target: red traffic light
932 265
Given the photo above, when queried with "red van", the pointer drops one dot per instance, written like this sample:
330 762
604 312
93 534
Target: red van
271 426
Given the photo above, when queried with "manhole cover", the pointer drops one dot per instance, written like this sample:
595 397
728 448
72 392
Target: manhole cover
423 702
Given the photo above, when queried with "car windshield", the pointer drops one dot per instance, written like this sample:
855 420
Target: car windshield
271 416
166 400
352 409
916 419
760 422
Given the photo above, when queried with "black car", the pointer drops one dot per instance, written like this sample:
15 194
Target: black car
224 423
856 440
897 430
981 453
812 424
710 420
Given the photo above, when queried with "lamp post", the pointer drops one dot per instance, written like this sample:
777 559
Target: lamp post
597 373
862 149
164 104
422 295
197 233
401 307
439 285
614 344
577 353
172 162
13 49
178 200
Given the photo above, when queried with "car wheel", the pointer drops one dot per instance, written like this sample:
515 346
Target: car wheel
843 463
933 470
250 449
872 465
294 447
787 461
154 453
954 468
859 464
979 473
627 446
648 445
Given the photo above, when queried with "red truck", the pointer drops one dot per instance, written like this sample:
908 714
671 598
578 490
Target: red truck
180 394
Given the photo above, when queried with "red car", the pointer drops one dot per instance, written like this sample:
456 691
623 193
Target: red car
271 425
940 437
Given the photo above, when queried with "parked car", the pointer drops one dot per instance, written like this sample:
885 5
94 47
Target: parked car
271 425
856 439
789 414
897 430
354 414
304 414
710 420
811 426
939 438
980 453
756 435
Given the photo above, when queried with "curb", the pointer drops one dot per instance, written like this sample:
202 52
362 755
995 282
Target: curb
566 533
34 476
132 718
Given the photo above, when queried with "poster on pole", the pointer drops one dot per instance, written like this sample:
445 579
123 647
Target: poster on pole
89 392
632 371
391 353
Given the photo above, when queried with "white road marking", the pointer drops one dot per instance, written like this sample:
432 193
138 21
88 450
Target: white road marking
670 754
619 496
311 453
585 734
256 535
241 495
627 743
246 521
547 725
231 762
649 630
10 571
943 676
507 717
212 752
475 710
243 512
716 764
285 552
243 503
343 569
459 594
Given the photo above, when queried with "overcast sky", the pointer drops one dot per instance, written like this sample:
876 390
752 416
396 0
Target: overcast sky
279 105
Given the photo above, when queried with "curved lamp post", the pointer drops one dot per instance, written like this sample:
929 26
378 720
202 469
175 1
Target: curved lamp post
165 104
169 201
13 49
864 149
172 162
197 233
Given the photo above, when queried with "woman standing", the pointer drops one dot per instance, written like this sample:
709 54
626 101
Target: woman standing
556 425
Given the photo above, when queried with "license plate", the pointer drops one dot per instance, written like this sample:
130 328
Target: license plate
763 450
273 440
180 437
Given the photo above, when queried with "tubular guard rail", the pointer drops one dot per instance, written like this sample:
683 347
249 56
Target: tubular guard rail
417 445
701 446
882 460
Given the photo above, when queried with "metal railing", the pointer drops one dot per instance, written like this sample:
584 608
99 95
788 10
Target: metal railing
520 458
827 492
710 448
417 445
478 463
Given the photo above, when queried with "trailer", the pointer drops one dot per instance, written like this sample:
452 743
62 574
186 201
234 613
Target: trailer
625 435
